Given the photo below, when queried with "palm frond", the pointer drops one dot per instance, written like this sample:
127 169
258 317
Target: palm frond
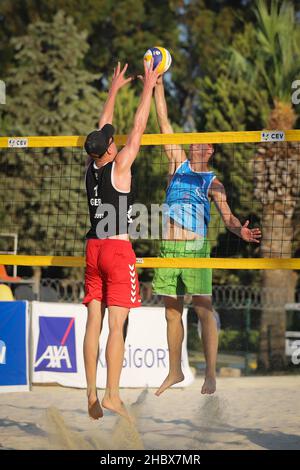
276 58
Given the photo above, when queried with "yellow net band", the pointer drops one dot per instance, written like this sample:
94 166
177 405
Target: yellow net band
215 263
156 139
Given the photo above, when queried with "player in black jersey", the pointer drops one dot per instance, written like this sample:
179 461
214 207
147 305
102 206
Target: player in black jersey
110 277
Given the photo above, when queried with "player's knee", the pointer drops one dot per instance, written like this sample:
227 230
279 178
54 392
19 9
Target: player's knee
116 325
203 313
173 315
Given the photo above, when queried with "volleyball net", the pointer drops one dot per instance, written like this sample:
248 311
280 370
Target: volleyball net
43 200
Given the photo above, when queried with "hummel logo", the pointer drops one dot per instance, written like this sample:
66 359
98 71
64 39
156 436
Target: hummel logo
132 273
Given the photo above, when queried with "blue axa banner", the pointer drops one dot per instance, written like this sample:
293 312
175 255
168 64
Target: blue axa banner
56 350
14 346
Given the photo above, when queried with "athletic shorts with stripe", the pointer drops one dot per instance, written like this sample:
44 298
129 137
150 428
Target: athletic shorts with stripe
110 274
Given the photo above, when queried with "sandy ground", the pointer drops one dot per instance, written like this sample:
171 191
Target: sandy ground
245 413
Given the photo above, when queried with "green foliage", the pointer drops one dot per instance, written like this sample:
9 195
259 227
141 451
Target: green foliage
117 30
49 93
274 60
229 340
234 340
207 27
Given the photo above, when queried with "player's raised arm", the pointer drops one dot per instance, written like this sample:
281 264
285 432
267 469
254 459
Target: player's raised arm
218 194
175 153
127 155
118 81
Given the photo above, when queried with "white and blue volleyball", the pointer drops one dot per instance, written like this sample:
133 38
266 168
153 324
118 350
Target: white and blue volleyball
161 57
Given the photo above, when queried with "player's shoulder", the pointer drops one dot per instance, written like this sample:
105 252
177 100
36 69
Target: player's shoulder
216 184
216 190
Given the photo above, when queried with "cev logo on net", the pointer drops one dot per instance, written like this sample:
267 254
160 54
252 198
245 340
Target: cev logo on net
2 92
2 352
272 136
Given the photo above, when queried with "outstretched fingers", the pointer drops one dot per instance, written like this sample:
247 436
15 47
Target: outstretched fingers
255 235
129 79
254 240
124 69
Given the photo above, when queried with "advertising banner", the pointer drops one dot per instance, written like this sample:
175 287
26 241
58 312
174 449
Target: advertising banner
58 334
14 340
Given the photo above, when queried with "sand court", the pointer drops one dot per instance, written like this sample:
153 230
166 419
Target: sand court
245 413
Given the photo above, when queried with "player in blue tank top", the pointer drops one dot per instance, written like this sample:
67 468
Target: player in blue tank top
187 198
192 187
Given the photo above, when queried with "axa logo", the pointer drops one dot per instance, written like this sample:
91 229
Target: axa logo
56 351
2 352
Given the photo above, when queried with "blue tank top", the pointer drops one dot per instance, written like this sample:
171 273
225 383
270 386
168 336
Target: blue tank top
187 199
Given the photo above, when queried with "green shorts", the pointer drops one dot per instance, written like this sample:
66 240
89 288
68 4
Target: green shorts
180 281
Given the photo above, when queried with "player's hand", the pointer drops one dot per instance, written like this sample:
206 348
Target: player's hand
118 79
250 235
150 75
160 81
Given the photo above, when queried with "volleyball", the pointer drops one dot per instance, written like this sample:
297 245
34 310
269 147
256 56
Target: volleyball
161 57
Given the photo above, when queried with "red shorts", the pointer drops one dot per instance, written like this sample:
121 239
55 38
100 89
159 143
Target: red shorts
110 274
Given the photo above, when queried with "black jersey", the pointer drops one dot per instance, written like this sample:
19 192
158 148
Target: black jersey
110 209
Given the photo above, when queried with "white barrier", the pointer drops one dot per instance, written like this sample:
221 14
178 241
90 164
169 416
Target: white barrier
58 331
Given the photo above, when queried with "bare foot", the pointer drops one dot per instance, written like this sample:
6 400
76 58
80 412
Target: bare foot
209 386
117 406
94 409
168 382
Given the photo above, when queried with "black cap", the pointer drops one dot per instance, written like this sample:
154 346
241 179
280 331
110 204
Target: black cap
97 142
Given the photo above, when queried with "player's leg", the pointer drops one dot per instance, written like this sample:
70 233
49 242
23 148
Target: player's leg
167 282
204 310
198 282
122 294
114 354
175 334
95 303
96 312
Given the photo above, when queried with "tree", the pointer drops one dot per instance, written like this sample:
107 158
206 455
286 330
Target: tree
121 30
207 27
49 93
273 66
